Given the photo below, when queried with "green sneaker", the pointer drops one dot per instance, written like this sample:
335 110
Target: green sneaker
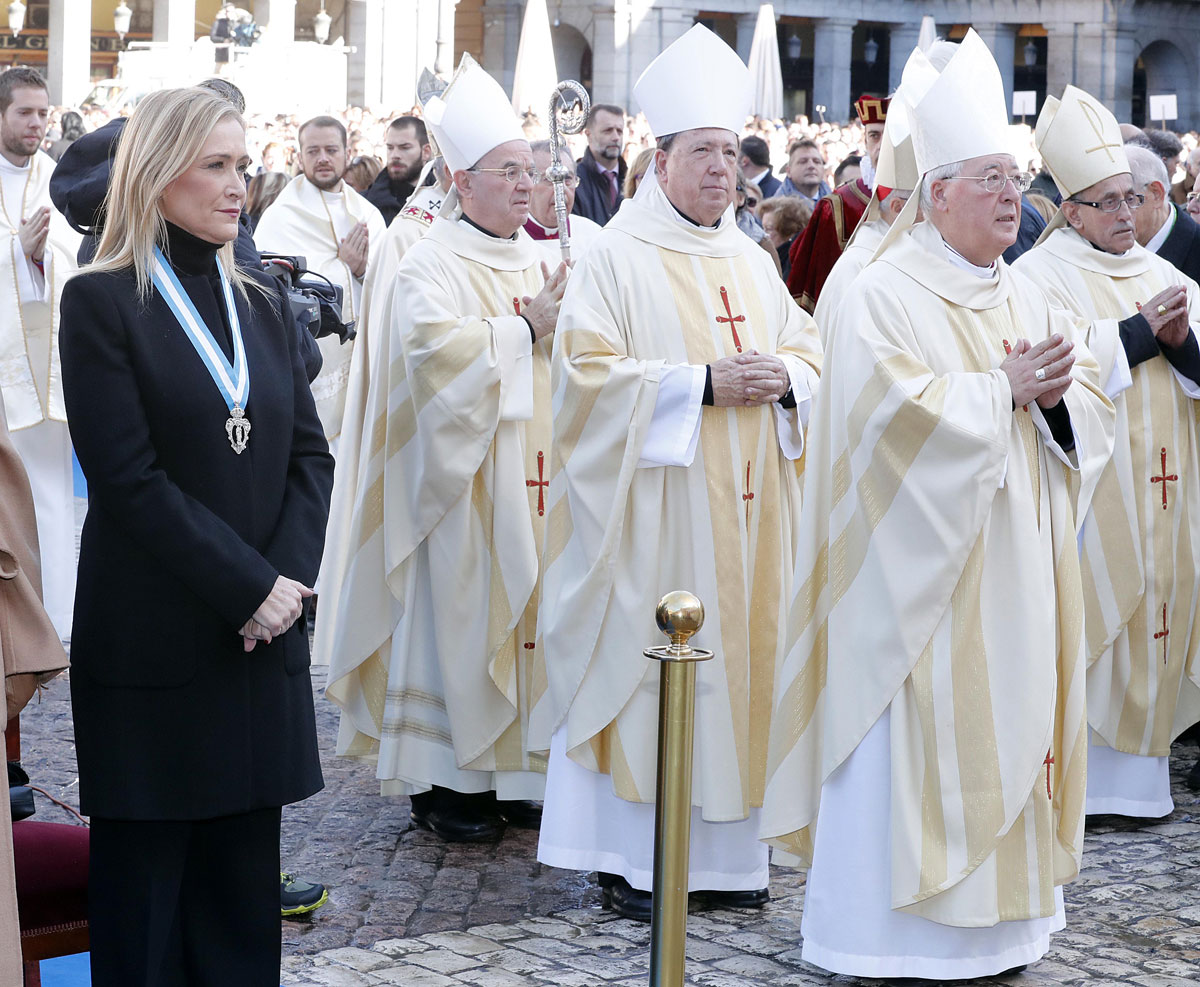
299 897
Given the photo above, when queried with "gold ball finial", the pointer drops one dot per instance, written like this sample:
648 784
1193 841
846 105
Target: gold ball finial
679 615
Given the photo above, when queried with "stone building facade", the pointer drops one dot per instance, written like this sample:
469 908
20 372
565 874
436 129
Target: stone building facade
1122 51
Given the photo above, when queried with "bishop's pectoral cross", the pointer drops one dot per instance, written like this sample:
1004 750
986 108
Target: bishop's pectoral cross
1049 761
1164 633
1165 478
747 494
541 485
731 319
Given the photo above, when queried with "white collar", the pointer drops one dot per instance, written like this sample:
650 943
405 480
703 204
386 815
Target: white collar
959 261
1164 231
6 165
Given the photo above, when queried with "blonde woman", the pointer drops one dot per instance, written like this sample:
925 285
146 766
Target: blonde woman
209 480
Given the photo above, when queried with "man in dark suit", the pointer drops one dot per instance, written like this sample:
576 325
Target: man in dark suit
601 170
1162 226
756 165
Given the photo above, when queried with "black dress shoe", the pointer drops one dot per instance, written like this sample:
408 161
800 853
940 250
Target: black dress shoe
455 817
627 901
1193 777
523 813
733 899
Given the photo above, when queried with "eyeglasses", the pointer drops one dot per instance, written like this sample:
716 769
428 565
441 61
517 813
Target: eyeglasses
571 181
995 182
1133 201
751 202
1193 196
512 174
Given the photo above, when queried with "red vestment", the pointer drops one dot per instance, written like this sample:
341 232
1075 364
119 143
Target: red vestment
821 242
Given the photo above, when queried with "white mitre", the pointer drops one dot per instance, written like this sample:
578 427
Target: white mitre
959 113
699 81
471 117
954 115
1080 141
897 168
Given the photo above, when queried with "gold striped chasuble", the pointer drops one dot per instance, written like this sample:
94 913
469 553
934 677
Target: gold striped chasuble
653 290
938 576
432 626
1140 542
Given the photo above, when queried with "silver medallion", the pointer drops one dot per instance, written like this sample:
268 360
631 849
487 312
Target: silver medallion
237 427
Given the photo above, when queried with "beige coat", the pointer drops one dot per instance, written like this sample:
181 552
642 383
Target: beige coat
28 644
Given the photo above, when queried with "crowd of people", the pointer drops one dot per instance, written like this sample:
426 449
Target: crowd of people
908 403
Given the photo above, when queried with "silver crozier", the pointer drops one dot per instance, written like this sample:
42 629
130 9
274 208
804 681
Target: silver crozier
565 118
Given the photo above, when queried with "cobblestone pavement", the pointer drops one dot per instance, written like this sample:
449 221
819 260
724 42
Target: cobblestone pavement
406 908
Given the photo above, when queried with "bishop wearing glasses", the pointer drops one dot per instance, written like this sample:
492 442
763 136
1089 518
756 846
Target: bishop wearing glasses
928 746
1141 542
432 646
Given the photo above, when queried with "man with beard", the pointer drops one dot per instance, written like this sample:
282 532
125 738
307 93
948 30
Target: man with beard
319 217
407 151
602 169
34 269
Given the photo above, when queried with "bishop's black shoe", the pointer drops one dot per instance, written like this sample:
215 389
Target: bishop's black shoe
1192 780
624 899
732 899
457 817
523 813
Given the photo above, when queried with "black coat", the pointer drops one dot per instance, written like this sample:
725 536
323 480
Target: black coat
591 197
388 196
1182 245
183 541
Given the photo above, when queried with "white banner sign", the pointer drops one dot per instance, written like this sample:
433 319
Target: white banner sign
1024 103
1164 107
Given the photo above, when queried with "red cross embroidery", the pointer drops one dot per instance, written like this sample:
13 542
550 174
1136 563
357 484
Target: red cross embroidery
748 494
528 645
1164 633
1049 761
540 484
1165 478
731 319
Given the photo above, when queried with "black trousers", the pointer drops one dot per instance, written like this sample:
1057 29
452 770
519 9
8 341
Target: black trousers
185 904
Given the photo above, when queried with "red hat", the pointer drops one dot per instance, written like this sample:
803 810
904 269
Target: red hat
872 109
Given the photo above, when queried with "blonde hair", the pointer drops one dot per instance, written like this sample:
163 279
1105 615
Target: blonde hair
162 139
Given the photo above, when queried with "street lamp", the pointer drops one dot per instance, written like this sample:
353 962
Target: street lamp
1030 54
321 25
121 18
870 51
16 17
793 46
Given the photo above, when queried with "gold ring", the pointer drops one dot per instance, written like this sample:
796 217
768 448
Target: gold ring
1161 309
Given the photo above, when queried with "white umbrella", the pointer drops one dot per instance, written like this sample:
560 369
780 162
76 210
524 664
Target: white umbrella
764 66
928 33
535 76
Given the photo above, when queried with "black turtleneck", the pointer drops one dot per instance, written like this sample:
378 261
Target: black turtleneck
194 260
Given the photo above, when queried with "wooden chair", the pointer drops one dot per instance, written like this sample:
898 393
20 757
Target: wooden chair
59 925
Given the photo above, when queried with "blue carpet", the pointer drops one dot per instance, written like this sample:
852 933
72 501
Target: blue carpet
66 971
80 483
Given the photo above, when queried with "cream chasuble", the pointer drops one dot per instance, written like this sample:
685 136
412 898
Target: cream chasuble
30 377
412 223
431 644
1141 542
868 235
653 290
938 580
311 223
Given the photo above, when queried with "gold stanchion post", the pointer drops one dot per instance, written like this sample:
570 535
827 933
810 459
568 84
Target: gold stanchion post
679 615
